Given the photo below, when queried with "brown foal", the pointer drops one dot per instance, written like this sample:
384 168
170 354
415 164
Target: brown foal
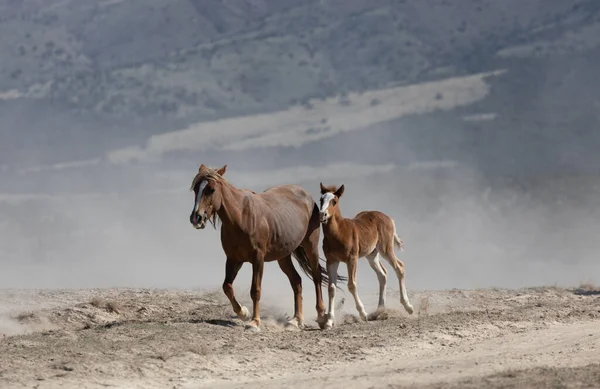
274 225
368 234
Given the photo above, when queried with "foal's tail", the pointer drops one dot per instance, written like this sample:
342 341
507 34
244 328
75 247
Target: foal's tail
397 241
302 258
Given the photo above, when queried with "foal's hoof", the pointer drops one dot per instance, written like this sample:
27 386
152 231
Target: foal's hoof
244 314
322 322
409 308
379 314
328 325
294 325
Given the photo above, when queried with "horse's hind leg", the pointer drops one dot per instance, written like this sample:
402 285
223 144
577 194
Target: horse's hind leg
352 265
376 265
287 267
232 268
398 266
311 246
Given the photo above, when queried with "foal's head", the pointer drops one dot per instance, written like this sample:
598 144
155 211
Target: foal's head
330 196
207 195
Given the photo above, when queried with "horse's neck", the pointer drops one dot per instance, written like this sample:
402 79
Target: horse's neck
230 212
333 228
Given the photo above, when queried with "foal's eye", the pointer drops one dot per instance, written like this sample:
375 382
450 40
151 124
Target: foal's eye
333 202
208 190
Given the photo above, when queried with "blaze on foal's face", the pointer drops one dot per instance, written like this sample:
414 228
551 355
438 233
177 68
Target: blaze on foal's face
329 201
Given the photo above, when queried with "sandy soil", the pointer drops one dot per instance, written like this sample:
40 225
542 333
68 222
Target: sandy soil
534 338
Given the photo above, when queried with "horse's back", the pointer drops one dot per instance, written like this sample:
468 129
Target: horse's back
289 194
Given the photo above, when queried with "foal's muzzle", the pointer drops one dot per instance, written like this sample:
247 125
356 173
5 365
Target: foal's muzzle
323 217
198 221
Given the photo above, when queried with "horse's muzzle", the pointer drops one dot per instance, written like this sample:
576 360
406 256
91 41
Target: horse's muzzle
198 221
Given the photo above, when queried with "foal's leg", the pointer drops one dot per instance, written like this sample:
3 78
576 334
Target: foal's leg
257 273
352 265
398 266
381 277
232 267
288 268
332 273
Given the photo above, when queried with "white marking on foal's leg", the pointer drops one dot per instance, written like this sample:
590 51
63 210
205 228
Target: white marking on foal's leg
375 264
332 273
400 274
352 288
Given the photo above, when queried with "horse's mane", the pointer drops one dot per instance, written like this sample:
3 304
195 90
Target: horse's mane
207 173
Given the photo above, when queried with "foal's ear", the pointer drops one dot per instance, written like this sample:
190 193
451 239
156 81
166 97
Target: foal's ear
340 191
323 189
202 168
222 170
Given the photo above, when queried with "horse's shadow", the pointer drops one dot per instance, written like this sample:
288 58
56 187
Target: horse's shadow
216 322
586 292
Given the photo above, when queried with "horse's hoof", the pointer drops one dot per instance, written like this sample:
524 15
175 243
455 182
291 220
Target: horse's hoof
328 325
244 314
252 328
409 308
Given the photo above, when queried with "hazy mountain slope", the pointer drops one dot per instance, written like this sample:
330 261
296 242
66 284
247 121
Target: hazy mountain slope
193 60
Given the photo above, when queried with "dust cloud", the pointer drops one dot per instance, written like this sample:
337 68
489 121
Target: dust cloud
461 227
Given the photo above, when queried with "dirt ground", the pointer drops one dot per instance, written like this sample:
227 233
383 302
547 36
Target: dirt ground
533 338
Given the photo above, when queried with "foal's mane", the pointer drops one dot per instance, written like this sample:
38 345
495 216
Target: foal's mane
330 188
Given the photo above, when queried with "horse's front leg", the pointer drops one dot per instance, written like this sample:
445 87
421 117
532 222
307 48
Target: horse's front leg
232 267
257 273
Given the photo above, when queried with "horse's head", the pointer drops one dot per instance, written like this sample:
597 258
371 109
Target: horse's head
207 195
330 197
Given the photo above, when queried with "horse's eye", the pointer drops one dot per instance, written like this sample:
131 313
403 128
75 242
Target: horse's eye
209 190
333 202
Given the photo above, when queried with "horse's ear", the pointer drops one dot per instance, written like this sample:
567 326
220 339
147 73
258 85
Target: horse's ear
323 189
202 168
222 170
340 191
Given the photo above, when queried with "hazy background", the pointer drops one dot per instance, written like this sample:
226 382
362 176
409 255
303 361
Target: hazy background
473 123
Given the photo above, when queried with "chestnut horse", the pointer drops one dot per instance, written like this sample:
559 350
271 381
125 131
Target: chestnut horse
368 234
262 227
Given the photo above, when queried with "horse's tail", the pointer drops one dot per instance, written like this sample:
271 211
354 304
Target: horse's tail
302 258
397 241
